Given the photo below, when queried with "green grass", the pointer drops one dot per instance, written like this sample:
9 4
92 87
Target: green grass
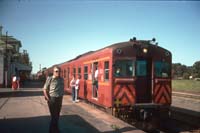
186 86
115 127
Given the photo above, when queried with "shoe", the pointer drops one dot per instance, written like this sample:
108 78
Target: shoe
77 100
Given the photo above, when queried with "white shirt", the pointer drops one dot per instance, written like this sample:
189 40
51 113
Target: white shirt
14 78
72 83
77 84
96 74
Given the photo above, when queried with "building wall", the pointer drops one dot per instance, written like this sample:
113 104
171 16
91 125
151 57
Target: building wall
1 70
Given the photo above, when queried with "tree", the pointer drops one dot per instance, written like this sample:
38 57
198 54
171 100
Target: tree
196 69
181 71
178 70
186 75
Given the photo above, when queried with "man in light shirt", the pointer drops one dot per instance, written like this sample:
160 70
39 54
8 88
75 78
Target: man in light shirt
53 92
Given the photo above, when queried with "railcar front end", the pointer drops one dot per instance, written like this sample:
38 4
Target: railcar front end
141 81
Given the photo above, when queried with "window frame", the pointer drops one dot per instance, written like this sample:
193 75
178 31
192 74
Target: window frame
64 73
74 72
106 71
127 61
79 71
139 74
161 67
85 72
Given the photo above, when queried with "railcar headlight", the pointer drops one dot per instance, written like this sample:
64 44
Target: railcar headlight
119 51
145 50
166 53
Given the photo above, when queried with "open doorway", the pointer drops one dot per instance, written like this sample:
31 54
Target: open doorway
95 73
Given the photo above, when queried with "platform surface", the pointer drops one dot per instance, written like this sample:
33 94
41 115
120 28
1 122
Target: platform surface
26 111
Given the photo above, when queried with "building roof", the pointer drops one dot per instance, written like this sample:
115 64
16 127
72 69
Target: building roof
10 39
22 67
3 45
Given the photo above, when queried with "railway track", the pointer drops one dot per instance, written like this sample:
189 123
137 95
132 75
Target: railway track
180 121
186 95
185 120
184 114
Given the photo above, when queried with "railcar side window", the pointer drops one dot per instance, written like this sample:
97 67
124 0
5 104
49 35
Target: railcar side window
106 70
85 72
61 73
64 73
141 68
68 75
124 68
74 72
79 71
162 69
68 72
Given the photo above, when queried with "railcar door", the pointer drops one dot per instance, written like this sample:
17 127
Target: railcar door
95 80
143 80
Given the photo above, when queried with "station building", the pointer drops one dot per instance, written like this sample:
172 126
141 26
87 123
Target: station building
12 61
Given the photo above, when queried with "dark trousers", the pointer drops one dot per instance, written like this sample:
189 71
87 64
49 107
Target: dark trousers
54 104
73 93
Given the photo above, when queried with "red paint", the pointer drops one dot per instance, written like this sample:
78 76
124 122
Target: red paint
127 90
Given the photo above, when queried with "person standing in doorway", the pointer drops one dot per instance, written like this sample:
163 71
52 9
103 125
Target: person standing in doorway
72 85
53 92
96 80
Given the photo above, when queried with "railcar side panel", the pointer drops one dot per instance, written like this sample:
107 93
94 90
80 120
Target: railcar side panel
104 97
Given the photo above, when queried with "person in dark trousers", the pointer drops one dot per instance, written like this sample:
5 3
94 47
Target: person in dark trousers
53 92
72 85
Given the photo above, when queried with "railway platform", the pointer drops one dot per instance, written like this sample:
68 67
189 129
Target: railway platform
26 111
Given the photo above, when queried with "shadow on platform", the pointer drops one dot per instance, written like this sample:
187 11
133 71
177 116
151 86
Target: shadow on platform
67 124
32 84
21 93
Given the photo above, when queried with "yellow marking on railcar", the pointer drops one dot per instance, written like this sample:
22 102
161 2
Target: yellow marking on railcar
117 102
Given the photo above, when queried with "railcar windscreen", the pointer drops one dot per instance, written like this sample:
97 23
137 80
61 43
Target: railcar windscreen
124 68
141 68
162 69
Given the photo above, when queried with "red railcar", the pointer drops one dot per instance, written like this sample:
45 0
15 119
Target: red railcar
134 74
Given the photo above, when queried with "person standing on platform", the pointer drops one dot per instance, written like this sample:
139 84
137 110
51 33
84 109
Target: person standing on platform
53 92
15 83
72 85
77 85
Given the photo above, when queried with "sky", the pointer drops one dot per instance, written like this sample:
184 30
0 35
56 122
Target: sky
54 31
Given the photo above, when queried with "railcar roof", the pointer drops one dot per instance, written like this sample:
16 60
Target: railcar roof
90 52
114 46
